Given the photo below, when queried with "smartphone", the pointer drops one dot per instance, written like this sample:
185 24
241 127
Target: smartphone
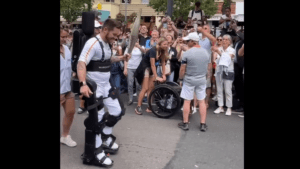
189 27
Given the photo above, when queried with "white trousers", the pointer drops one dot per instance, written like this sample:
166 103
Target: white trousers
228 91
112 105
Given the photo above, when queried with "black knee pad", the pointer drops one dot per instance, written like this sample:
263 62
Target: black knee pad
110 120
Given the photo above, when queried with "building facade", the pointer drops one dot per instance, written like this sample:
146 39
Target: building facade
118 6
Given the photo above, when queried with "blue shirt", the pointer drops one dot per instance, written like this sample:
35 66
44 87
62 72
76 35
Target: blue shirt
206 44
148 44
65 71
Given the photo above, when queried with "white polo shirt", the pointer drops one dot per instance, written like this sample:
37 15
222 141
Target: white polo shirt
92 51
65 71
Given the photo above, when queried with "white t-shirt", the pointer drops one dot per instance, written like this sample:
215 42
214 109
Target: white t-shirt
196 15
93 51
136 58
229 51
223 25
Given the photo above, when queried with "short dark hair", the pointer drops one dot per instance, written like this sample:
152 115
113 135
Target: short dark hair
198 3
110 24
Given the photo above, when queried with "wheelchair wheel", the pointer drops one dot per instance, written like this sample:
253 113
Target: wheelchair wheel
172 83
164 101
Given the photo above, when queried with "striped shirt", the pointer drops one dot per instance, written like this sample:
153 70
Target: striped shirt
65 71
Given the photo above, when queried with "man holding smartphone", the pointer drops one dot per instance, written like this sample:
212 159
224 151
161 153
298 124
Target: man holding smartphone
170 28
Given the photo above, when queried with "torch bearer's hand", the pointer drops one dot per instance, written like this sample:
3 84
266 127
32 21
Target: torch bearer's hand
127 56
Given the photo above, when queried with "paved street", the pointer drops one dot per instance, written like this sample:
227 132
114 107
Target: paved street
149 142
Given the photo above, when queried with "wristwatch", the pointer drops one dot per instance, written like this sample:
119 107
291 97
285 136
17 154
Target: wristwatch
82 83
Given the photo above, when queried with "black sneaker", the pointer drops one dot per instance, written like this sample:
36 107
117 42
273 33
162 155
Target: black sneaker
129 102
239 110
138 110
183 126
203 127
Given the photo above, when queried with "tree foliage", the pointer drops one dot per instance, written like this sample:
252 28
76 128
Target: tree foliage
120 17
72 9
131 17
227 3
183 7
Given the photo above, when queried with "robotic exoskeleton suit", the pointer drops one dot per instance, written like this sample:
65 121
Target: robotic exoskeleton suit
96 54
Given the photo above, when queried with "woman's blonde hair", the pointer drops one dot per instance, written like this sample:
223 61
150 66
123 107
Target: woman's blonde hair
159 51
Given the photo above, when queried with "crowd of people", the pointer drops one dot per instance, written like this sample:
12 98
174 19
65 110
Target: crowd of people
185 52
166 46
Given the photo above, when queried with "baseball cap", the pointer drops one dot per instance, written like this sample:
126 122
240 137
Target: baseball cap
192 36
97 24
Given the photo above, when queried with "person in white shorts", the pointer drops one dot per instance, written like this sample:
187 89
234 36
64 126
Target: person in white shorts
193 72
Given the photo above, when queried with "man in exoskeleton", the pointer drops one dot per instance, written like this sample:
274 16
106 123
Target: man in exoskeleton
93 72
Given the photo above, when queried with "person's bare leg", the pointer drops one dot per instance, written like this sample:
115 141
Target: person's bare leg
208 92
150 88
202 110
186 110
194 106
69 108
143 91
195 101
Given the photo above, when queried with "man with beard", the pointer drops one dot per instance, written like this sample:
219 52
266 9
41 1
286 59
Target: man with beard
94 63
143 36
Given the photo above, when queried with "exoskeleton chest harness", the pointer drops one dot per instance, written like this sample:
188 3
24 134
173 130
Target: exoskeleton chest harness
93 105
100 65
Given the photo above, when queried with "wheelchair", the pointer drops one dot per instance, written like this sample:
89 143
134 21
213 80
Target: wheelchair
164 100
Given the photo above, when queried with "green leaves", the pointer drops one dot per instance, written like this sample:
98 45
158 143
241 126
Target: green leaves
183 7
72 9
210 7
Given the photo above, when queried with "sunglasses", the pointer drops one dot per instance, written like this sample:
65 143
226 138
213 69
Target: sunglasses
220 39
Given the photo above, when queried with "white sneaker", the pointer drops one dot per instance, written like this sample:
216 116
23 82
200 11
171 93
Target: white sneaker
219 110
68 141
134 94
228 112
215 98
194 110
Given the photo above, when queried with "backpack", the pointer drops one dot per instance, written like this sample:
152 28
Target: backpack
200 12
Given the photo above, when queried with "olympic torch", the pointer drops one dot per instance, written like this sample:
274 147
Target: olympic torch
134 32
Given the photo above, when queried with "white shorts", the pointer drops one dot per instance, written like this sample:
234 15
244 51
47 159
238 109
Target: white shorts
187 92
